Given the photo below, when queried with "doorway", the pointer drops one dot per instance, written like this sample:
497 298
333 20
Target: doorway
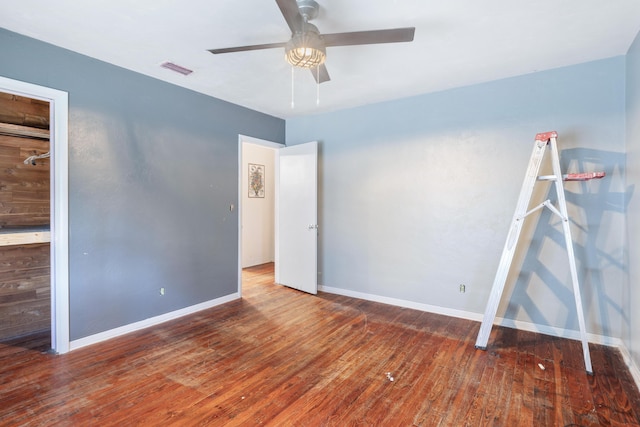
295 214
58 194
25 301
257 203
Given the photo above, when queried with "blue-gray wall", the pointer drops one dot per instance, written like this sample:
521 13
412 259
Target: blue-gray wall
632 298
416 195
153 169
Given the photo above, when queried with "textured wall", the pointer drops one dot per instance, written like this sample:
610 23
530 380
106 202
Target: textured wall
632 298
417 195
153 169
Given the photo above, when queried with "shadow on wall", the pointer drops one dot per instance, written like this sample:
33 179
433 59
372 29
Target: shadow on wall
543 290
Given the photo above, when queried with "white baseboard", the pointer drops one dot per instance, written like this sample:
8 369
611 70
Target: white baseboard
509 323
557 332
403 303
469 315
631 364
152 321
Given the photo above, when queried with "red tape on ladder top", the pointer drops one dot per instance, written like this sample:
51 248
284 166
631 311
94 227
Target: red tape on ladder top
546 136
585 176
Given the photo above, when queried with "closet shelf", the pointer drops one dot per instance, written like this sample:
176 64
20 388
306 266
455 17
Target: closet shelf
24 236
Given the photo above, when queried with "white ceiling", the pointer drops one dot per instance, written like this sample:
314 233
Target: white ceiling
457 43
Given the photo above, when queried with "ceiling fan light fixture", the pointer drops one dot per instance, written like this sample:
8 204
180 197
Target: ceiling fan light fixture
307 47
305 50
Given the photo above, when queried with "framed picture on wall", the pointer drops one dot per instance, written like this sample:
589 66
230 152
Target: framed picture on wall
256 180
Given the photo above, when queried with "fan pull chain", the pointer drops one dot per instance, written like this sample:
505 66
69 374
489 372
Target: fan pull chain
317 85
293 104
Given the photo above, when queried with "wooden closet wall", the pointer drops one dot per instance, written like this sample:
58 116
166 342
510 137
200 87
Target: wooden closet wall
25 294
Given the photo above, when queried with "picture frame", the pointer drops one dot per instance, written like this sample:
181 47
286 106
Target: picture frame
256 180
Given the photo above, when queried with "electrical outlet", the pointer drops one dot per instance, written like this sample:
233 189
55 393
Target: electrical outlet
463 289
161 291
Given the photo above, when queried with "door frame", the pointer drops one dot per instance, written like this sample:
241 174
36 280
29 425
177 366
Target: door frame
59 187
242 139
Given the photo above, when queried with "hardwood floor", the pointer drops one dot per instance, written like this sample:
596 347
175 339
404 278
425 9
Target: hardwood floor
280 357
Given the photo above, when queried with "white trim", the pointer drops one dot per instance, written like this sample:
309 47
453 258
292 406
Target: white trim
403 303
264 143
59 117
509 323
276 218
152 321
558 332
239 213
257 141
631 364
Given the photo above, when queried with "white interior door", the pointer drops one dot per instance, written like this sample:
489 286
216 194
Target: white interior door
297 217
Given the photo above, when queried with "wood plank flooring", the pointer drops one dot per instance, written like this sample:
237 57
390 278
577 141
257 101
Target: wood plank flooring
283 358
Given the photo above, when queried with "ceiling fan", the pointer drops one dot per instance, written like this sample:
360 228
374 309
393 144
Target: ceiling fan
307 47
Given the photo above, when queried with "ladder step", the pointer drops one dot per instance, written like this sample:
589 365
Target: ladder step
585 176
546 136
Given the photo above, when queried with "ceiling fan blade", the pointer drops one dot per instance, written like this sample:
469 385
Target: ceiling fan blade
393 35
289 9
321 77
245 48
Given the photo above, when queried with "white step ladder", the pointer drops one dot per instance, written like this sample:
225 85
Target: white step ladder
542 141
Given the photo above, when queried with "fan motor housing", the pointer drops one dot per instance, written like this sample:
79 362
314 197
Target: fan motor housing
308 9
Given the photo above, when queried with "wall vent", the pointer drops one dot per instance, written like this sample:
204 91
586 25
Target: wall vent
177 68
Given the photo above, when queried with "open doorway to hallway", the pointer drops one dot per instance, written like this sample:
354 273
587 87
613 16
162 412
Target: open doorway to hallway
294 221
258 205
257 239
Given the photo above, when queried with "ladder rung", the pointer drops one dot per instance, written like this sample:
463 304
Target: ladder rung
585 176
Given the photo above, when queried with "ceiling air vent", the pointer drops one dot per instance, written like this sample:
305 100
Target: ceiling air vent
176 68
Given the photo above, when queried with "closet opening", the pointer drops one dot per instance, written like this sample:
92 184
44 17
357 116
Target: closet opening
25 218
35 134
